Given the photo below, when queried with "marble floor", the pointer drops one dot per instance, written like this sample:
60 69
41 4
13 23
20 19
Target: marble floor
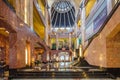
64 68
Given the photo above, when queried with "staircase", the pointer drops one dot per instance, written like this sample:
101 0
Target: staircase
68 74
65 72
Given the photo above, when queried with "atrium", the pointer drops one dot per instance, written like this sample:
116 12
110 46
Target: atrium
59 39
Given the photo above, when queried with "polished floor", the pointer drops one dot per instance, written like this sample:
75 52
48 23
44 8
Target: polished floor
60 66
61 71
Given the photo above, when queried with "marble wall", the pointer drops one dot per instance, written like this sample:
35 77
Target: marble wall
113 51
19 34
104 50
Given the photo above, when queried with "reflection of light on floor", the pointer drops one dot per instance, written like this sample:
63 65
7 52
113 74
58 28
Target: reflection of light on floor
64 64
85 75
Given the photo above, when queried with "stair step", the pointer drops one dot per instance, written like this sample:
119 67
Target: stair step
59 74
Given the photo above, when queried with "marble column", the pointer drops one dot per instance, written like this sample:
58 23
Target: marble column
46 35
31 14
50 26
83 16
48 56
76 42
24 9
80 51
69 40
57 41
20 8
47 25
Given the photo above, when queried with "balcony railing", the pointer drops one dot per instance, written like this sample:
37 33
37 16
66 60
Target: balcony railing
96 18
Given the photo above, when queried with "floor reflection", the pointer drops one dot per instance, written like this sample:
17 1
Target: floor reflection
56 66
62 66
61 70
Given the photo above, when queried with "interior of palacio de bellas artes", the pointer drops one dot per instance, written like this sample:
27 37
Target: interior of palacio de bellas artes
59 39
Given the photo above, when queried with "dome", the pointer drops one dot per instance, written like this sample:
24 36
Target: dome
62 14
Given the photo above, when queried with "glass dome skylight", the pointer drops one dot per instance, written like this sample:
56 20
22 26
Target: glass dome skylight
62 14
62 6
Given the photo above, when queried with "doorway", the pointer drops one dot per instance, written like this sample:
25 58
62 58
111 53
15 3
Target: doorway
27 54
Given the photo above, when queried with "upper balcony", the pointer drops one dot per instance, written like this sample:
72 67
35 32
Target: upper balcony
97 17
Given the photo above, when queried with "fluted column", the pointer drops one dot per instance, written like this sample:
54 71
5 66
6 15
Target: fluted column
80 51
46 35
76 40
24 9
57 41
31 14
20 8
47 25
83 16
28 12
69 40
